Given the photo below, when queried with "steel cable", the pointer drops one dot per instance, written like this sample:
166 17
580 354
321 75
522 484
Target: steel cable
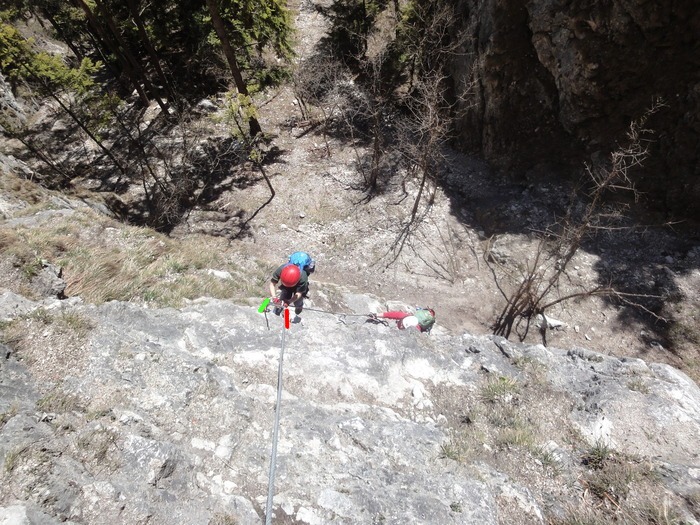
275 434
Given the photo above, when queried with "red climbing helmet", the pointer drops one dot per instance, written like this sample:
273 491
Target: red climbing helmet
290 275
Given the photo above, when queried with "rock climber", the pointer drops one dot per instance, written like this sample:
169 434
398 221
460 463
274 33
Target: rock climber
293 282
423 318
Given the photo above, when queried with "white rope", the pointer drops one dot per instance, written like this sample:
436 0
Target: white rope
275 433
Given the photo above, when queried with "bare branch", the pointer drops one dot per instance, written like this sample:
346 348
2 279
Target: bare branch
532 291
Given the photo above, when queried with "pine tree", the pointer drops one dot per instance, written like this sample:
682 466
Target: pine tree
241 86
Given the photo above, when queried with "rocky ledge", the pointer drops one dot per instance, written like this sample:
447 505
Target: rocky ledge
121 414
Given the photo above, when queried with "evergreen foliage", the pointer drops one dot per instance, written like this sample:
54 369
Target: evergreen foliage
423 36
167 48
352 22
259 23
20 62
255 28
424 41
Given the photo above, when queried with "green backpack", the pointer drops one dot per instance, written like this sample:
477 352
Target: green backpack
426 320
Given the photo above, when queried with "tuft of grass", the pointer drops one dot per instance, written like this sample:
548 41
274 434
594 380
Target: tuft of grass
75 324
58 401
512 429
223 519
582 516
685 330
8 414
520 436
451 450
175 266
7 238
99 413
12 458
41 315
532 366
549 461
189 286
658 513
500 390
12 333
505 417
96 443
597 455
457 447
638 385
23 189
693 501
643 513
612 481
17 332
103 260
455 506
31 268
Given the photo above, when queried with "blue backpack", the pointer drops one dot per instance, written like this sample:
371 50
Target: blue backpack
303 260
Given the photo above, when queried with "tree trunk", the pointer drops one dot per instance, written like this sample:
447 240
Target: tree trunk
220 29
61 34
65 178
89 133
114 48
135 62
155 62
53 94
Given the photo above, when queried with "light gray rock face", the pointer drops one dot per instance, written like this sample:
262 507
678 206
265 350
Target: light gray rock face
8 102
13 305
49 281
171 421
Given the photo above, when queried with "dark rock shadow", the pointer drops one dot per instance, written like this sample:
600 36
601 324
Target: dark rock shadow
639 257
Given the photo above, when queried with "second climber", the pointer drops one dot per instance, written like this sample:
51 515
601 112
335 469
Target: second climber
293 284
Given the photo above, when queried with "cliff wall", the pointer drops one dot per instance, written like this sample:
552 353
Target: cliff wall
558 82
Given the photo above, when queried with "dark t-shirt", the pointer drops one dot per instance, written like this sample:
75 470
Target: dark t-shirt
302 286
